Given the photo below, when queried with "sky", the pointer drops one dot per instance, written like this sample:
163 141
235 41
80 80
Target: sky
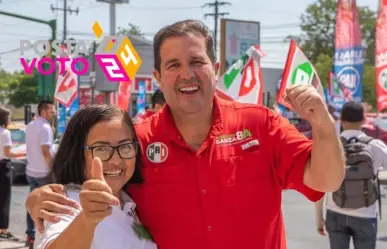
279 18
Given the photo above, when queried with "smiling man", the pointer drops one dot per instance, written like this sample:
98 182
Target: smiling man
214 170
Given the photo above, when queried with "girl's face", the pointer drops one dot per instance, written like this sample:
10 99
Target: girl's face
118 166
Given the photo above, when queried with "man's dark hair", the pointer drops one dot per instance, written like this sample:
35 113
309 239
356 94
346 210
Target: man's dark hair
158 98
352 112
69 162
44 105
183 28
4 117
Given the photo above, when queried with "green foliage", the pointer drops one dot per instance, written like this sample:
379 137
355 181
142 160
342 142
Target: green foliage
133 30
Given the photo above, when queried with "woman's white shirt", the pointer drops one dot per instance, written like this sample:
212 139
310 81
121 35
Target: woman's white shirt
5 140
115 231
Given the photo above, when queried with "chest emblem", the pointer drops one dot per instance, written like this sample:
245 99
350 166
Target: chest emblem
157 152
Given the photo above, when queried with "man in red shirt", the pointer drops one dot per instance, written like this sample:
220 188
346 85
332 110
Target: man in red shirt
214 170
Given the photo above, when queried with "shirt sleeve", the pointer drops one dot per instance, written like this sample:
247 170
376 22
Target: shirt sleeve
6 138
53 230
290 151
45 136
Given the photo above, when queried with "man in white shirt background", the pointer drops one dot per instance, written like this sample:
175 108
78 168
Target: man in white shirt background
352 212
39 143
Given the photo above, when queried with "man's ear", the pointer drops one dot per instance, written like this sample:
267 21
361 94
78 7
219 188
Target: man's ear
157 75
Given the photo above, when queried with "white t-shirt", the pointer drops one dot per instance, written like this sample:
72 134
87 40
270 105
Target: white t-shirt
38 133
115 231
379 156
5 140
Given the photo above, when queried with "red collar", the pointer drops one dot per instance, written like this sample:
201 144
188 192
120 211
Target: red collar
173 133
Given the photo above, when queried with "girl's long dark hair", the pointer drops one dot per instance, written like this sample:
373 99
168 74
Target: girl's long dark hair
68 165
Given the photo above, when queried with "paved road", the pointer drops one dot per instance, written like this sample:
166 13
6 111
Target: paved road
298 213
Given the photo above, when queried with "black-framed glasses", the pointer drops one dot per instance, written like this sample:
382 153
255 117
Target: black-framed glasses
105 152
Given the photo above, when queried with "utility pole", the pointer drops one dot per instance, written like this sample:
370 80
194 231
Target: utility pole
65 10
216 15
92 74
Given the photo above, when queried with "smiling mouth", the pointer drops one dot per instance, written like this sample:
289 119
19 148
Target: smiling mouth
113 172
189 89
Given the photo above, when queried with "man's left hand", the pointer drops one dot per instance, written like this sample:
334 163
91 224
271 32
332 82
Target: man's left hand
308 104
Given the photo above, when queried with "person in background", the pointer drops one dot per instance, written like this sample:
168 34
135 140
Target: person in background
158 101
355 217
39 142
6 174
33 116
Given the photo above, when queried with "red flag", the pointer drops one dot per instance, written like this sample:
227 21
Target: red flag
123 96
347 33
381 57
67 84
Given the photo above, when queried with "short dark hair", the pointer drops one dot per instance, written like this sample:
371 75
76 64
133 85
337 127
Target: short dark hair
4 117
43 105
158 98
183 28
352 112
68 165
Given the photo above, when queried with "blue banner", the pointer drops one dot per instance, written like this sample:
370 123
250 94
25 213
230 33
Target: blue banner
348 67
141 97
61 119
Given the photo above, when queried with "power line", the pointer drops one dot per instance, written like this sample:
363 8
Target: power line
216 14
65 10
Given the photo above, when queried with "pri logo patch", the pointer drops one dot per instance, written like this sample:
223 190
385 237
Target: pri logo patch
157 152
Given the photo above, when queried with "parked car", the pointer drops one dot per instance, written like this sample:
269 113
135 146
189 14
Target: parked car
376 126
18 137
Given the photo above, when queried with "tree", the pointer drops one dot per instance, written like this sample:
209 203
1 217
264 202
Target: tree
318 35
23 89
4 81
132 30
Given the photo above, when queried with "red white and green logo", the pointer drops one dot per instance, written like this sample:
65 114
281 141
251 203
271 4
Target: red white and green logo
157 152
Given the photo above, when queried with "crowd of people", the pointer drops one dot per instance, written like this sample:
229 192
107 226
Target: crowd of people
195 171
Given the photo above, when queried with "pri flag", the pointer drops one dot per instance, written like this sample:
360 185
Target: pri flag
381 57
348 57
67 84
298 70
337 89
242 82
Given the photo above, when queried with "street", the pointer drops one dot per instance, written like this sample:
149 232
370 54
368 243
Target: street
298 213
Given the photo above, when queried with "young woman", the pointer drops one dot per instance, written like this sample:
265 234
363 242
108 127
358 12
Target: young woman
97 157
5 173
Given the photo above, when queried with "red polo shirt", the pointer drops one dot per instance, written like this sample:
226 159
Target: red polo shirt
228 194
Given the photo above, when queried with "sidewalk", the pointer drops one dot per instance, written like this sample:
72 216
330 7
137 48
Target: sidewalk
12 245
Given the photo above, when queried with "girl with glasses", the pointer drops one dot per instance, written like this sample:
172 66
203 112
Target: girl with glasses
97 158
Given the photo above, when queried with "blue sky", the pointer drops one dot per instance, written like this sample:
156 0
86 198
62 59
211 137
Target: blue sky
278 18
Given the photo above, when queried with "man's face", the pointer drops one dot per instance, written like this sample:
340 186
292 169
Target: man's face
50 112
187 76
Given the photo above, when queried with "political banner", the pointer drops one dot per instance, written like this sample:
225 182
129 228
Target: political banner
67 85
348 57
381 57
337 89
141 98
242 82
298 70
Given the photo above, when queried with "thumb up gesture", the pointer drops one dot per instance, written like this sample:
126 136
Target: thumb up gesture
96 196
